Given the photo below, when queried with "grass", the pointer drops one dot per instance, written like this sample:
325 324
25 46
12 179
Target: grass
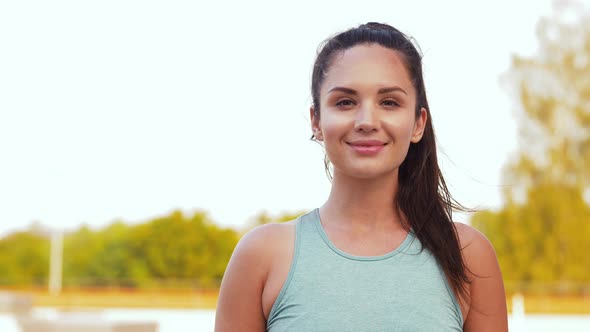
191 299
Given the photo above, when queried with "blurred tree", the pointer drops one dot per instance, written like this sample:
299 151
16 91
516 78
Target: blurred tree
191 249
541 234
553 89
174 250
80 250
24 259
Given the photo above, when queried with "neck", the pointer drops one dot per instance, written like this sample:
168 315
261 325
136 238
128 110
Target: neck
363 204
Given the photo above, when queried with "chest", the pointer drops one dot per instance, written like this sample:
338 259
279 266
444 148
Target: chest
332 293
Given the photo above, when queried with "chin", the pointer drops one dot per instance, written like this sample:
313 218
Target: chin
367 173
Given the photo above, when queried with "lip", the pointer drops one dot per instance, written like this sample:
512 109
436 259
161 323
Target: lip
372 142
367 147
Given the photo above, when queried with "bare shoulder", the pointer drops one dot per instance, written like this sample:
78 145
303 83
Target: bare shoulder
487 308
240 297
257 248
472 241
478 252
262 239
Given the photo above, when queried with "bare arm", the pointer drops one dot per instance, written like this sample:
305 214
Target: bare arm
239 307
487 309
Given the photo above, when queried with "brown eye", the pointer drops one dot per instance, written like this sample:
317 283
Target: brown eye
390 103
345 103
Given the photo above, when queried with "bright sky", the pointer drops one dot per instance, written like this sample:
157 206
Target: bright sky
131 109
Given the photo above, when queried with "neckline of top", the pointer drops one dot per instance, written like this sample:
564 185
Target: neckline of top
318 223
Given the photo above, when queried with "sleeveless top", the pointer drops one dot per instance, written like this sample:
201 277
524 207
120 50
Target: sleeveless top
330 290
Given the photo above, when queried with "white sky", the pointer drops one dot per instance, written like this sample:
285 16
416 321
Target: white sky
130 109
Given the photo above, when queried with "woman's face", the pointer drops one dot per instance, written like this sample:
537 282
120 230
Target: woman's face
367 112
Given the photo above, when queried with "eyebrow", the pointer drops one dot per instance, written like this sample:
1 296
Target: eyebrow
381 91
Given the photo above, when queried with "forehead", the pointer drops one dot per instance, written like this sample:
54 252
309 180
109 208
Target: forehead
370 66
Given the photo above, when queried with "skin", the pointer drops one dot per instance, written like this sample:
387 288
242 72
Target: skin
358 216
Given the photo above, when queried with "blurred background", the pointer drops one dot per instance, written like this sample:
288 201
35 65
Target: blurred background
139 140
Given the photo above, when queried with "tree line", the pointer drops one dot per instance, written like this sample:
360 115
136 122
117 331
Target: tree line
176 250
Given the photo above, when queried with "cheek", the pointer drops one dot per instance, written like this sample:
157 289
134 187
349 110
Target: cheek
334 126
401 127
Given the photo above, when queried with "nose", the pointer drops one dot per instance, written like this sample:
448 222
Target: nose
367 119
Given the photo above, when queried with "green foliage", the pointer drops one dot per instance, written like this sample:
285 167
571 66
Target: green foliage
542 241
542 233
171 251
174 250
24 259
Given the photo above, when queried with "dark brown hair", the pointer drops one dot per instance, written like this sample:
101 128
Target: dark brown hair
422 195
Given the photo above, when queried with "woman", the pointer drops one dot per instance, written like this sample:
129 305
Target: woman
382 253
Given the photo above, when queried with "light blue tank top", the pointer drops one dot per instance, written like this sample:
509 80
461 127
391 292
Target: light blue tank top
329 290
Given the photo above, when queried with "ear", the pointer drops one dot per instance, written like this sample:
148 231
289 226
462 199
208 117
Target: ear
419 126
315 125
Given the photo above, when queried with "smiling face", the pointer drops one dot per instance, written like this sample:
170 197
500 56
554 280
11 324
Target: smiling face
367 117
